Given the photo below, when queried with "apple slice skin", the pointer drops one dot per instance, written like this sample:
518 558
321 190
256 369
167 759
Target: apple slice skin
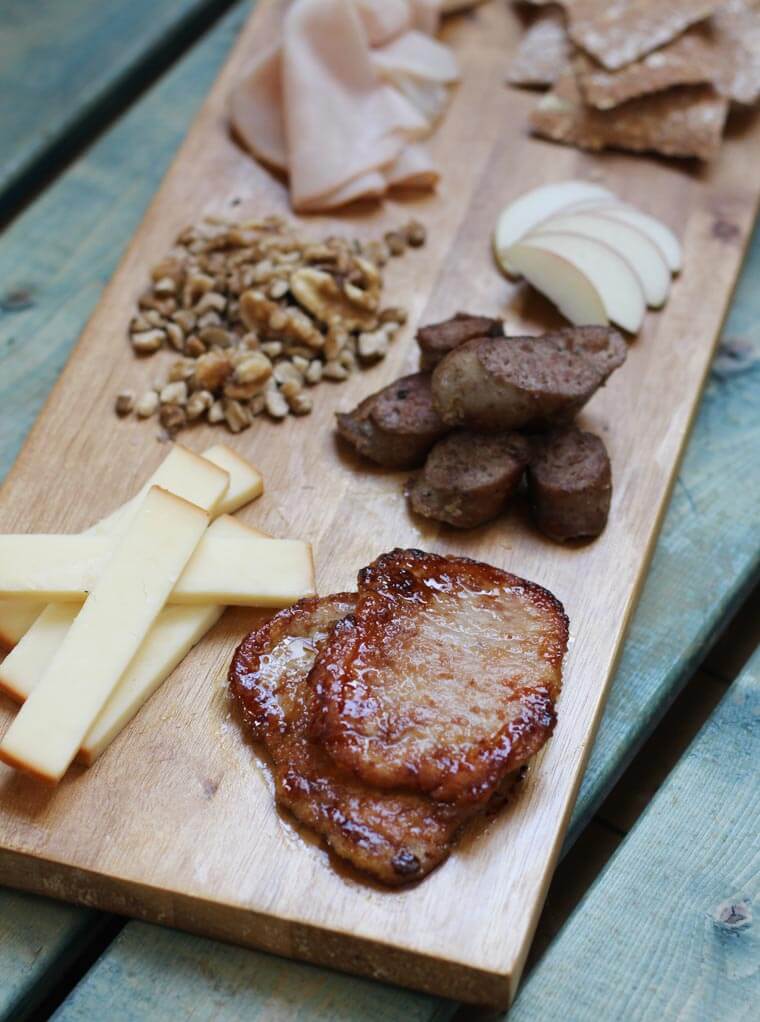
608 274
522 215
561 282
639 251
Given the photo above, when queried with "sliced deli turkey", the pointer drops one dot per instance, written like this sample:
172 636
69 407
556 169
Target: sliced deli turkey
344 99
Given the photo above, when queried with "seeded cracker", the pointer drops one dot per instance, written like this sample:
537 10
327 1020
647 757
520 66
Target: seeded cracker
724 50
688 60
544 52
737 31
617 32
680 122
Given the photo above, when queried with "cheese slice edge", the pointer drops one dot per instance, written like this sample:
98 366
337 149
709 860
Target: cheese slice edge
49 728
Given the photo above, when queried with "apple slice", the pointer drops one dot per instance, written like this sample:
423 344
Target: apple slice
544 261
562 283
522 215
655 229
638 250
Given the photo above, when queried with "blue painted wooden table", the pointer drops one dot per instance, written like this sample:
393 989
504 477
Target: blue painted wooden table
85 145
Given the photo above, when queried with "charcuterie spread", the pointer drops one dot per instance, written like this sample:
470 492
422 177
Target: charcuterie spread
464 362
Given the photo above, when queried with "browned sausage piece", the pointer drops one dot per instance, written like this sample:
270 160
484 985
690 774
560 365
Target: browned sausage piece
438 339
469 477
397 426
606 349
570 484
501 384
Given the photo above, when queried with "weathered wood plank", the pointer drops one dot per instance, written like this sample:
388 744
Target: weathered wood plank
75 243
152 974
707 558
55 259
37 941
65 65
664 932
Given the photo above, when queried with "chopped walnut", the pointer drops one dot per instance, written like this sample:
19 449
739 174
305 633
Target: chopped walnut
257 312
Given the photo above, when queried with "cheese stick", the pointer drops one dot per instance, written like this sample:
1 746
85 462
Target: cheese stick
245 484
169 641
15 621
129 595
175 632
246 571
27 662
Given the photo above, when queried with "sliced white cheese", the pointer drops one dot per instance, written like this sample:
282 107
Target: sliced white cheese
183 473
30 658
23 667
116 618
246 482
172 637
51 567
15 620
247 572
179 473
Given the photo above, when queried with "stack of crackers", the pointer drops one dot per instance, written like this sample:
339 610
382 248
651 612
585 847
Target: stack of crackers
641 75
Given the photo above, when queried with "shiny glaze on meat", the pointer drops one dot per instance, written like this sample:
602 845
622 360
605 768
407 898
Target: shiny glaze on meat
444 679
394 837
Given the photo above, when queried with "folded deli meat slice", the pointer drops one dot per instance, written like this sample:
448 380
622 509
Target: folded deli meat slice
344 96
443 680
395 837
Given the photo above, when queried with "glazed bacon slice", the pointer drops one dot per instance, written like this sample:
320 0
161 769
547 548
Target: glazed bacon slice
394 837
443 680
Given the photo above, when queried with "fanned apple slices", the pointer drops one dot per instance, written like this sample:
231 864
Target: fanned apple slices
597 259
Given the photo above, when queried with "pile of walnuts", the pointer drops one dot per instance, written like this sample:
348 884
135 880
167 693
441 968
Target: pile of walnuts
258 316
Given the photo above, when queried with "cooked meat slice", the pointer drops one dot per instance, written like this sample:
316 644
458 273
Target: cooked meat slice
394 837
570 484
397 426
443 680
528 381
438 339
605 348
468 477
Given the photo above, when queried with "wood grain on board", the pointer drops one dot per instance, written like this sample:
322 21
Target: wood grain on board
656 934
124 836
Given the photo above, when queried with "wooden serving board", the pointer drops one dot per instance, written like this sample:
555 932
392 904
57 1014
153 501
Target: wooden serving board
176 822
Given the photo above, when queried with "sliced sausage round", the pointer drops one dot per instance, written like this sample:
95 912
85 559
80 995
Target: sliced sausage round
500 384
438 339
469 477
397 426
570 484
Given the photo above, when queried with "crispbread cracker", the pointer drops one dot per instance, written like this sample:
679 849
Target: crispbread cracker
617 32
685 121
544 51
685 61
724 50
737 30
